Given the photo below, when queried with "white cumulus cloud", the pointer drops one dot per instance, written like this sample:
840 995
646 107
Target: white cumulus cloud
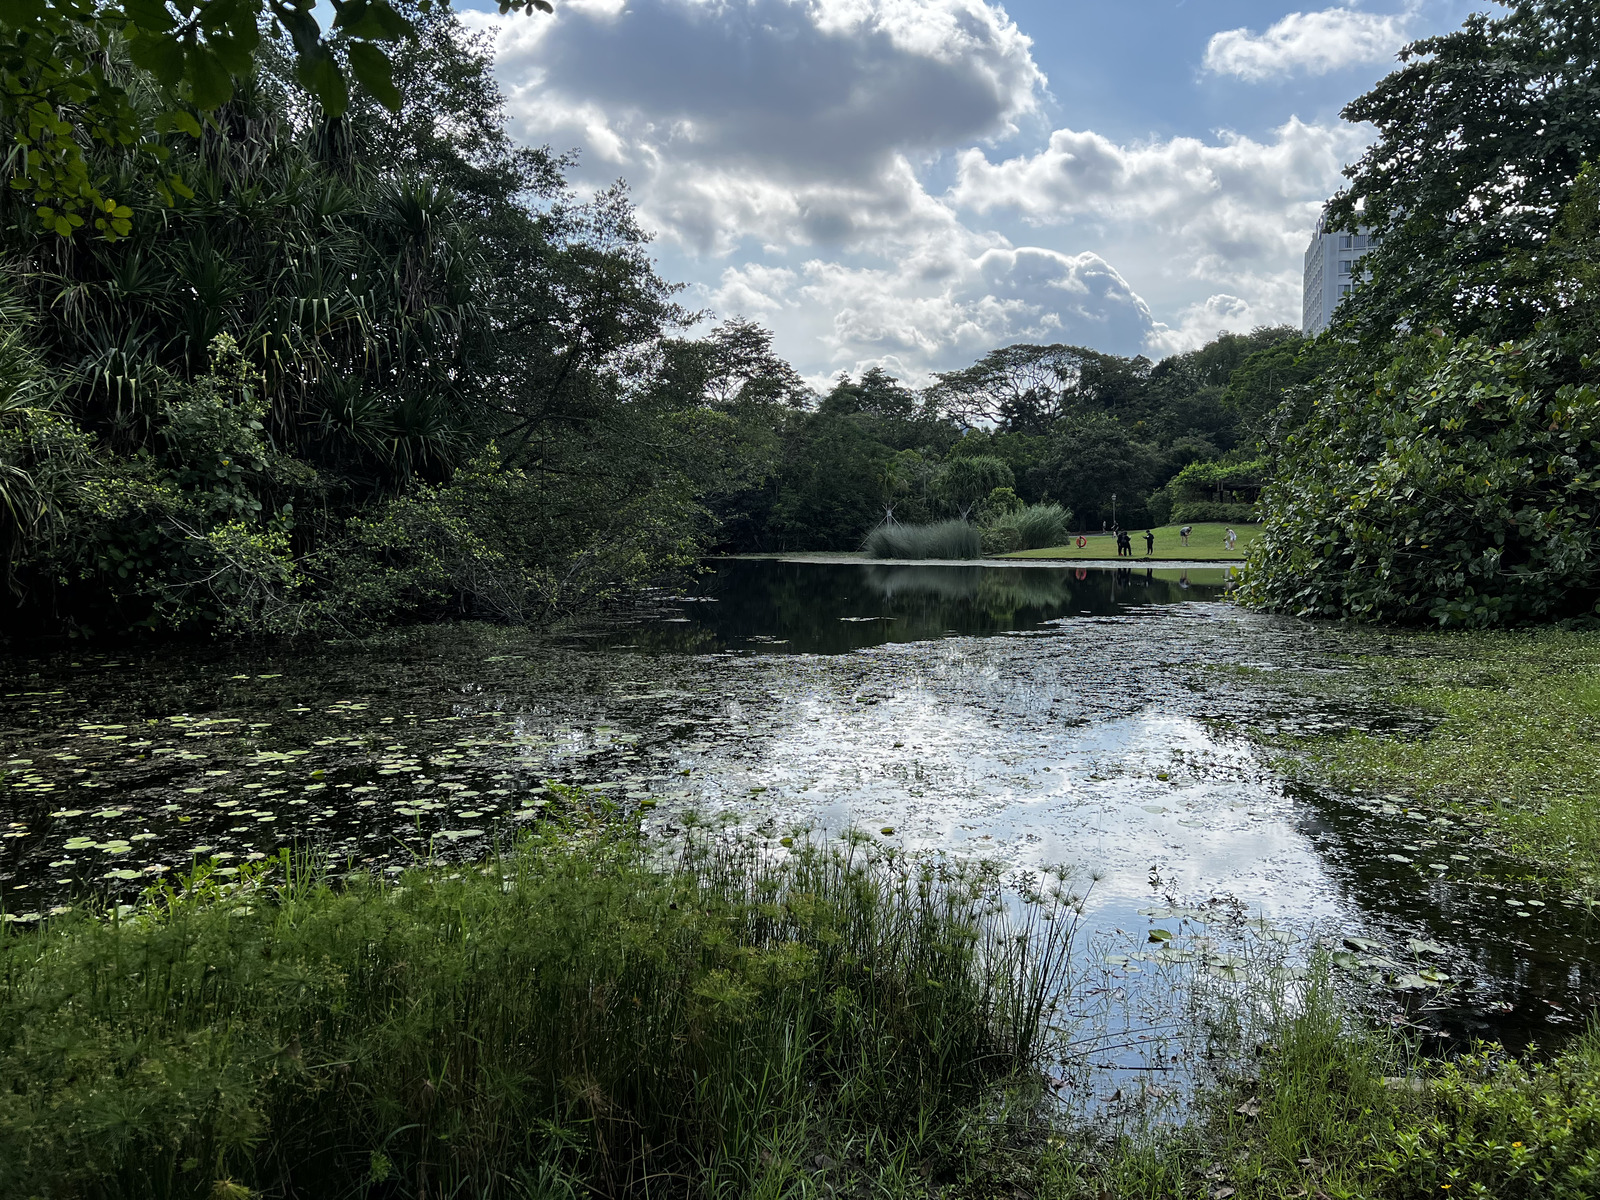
782 121
943 306
781 150
1313 42
1231 213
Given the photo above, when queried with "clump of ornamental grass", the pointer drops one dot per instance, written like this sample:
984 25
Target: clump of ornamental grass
1032 528
943 539
585 1015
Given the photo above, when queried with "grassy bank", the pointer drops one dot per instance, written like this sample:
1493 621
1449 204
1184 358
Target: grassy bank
574 1019
581 1019
1515 735
1205 545
1336 1112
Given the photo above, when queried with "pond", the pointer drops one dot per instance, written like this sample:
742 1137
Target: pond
1034 716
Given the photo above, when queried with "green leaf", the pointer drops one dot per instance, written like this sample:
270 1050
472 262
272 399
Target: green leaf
210 83
162 56
180 120
236 53
371 20
319 72
152 15
374 72
302 27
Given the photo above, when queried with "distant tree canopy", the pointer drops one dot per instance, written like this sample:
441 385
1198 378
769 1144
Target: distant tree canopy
339 363
1098 433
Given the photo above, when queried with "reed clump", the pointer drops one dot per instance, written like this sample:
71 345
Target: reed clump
581 1016
942 539
1032 528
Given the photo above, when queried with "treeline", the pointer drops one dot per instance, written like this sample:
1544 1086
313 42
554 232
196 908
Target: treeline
319 372
345 370
1114 440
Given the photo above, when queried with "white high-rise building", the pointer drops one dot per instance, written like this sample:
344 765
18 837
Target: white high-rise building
1331 274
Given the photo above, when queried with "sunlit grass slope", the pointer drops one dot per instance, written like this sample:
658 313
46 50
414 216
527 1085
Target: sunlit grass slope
1205 545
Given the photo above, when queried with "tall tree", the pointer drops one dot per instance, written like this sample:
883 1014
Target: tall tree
1482 132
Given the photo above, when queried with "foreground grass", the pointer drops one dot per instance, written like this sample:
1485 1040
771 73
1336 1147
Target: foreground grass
1205 545
1517 736
581 1018
575 1019
1339 1113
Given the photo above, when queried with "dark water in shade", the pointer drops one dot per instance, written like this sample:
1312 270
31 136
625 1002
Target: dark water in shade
805 607
1032 715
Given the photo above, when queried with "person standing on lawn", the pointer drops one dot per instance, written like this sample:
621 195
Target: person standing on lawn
1149 543
1185 532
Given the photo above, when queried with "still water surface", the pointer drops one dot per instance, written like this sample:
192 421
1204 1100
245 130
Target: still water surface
1031 716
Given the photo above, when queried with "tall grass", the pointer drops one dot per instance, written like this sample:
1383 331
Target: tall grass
1333 1107
1032 528
943 539
576 1018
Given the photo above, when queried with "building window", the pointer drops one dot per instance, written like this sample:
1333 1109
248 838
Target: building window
1346 288
1346 266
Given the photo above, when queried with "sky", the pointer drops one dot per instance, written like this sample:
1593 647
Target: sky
912 183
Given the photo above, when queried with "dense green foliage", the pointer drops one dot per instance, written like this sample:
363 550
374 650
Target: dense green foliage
1462 487
371 369
61 96
1030 527
1482 133
1444 469
578 1018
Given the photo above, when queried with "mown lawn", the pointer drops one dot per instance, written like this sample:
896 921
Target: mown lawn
1205 545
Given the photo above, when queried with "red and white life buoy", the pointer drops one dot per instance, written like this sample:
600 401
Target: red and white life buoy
1082 541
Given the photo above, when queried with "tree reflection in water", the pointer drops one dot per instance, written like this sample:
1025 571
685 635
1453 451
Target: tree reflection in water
833 608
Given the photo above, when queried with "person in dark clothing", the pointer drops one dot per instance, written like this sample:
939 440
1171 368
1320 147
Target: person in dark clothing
1124 544
1149 542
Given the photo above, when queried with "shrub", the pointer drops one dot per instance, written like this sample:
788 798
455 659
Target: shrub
1001 502
1192 512
1001 539
1457 487
943 539
582 1017
1031 528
